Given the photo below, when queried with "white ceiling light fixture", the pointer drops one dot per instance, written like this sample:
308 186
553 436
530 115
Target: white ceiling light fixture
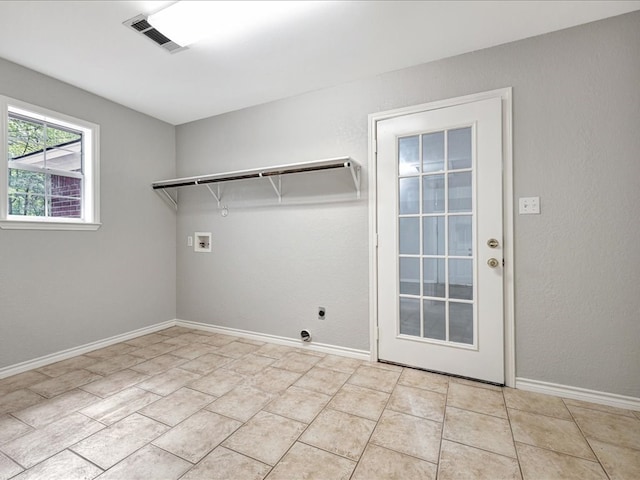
187 22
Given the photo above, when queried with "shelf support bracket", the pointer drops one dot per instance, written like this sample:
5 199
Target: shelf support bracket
171 199
355 174
217 196
277 189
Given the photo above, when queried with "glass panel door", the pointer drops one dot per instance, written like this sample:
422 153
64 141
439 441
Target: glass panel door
436 236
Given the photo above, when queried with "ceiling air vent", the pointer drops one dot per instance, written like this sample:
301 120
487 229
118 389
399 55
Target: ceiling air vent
140 24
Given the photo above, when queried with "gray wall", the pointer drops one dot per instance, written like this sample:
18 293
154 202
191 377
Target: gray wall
62 289
576 112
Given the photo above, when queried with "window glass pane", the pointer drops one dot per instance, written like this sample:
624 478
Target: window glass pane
24 139
461 322
460 192
409 190
410 276
434 319
410 316
433 152
433 194
410 236
460 236
433 235
461 279
66 197
459 148
408 158
433 277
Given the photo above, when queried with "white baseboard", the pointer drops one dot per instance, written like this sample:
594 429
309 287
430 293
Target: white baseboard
289 342
89 347
576 393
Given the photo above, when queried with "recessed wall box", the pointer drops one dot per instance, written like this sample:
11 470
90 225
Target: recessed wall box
202 242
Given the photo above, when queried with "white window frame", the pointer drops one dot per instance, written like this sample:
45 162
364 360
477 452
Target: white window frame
91 170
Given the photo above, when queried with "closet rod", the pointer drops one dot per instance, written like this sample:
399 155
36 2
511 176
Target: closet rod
340 162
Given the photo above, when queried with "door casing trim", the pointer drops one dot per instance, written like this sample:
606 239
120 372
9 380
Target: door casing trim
505 94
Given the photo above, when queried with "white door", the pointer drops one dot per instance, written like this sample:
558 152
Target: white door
439 218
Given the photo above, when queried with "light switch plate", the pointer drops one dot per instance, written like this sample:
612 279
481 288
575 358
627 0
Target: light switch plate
529 206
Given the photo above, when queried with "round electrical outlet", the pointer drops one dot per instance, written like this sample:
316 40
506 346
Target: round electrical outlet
305 336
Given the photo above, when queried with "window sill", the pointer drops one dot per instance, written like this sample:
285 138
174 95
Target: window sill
39 225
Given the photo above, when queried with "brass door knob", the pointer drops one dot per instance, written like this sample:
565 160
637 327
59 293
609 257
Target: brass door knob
493 243
493 262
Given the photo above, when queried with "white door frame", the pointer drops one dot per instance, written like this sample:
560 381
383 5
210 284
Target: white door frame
507 187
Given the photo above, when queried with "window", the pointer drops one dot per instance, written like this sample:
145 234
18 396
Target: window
51 176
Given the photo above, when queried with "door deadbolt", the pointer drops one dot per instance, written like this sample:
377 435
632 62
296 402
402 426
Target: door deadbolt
493 263
493 243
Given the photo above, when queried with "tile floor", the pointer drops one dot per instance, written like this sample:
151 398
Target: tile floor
187 404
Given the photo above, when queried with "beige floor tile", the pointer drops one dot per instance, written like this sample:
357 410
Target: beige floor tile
66 366
53 409
65 465
114 383
460 461
322 380
273 351
206 363
146 340
11 428
536 403
120 405
309 463
620 463
266 437
537 463
197 435
425 380
298 404
19 400
236 349
250 364
118 441
169 381
360 401
8 468
148 463
218 382
20 381
251 341
154 350
159 364
219 340
340 433
192 337
472 383
613 429
386 366
225 464
272 380
191 351
340 364
177 406
476 399
597 406
241 403
375 378
175 331
407 434
418 402
111 351
555 434
114 364
296 362
379 463
478 430
64 383
47 441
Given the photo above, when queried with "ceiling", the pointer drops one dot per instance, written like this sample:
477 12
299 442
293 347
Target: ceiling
85 44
